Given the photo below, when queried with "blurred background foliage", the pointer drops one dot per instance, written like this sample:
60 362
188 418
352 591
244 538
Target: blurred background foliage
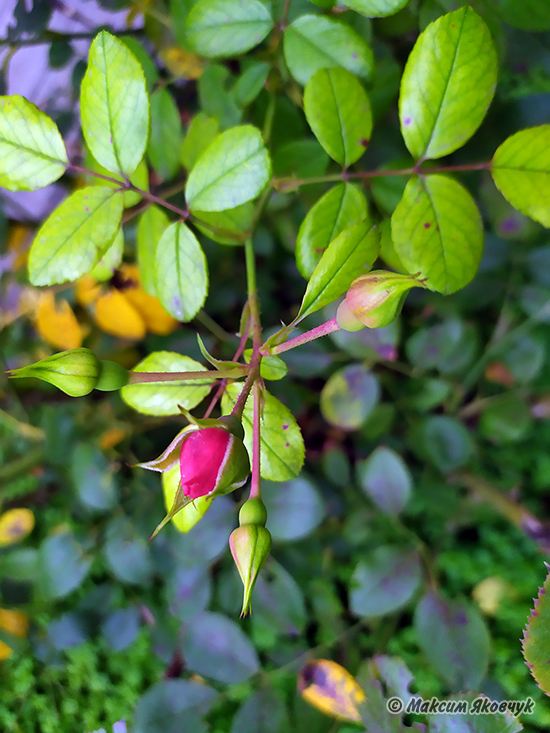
418 527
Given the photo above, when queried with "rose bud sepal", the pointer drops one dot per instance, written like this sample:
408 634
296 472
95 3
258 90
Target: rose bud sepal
74 372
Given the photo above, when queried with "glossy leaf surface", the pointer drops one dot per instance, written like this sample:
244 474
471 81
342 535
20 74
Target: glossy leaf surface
314 42
437 232
114 105
235 168
338 111
219 28
74 237
32 152
448 83
521 170
181 274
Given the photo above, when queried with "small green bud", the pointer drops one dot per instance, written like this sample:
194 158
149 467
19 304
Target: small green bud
75 372
250 546
253 511
112 376
375 299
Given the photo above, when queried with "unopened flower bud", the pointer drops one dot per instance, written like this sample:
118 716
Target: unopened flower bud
212 460
250 546
112 376
375 299
75 372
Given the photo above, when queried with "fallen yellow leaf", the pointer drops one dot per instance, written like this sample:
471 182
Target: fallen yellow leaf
57 324
331 689
87 291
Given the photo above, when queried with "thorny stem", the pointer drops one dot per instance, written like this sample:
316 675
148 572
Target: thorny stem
323 330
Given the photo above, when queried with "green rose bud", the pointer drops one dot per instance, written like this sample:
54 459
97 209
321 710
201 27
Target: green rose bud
75 372
112 376
253 511
250 546
375 299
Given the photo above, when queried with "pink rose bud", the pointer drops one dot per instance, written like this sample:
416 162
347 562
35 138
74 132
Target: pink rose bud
212 460
375 299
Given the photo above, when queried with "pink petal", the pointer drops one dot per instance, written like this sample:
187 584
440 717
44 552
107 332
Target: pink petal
202 456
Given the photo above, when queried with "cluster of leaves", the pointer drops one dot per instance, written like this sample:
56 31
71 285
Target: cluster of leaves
382 546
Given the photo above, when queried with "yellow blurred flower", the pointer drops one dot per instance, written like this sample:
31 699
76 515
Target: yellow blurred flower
489 593
56 322
15 623
125 309
15 525
331 689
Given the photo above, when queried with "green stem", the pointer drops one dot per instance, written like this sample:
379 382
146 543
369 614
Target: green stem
255 481
290 182
127 186
144 377
323 330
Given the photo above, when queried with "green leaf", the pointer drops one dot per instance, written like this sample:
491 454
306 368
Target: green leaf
294 507
300 159
448 83
437 231
251 82
527 15
235 168
455 640
376 8
216 647
271 367
385 478
521 171
127 553
63 565
110 259
263 711
32 152
114 105
536 638
505 419
75 236
279 606
314 42
446 442
163 398
216 98
282 446
200 133
226 227
166 134
221 28
351 254
349 396
173 706
181 273
152 224
338 209
338 111
385 581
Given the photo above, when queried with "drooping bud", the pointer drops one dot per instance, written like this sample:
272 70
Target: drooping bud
375 299
75 372
112 376
250 546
